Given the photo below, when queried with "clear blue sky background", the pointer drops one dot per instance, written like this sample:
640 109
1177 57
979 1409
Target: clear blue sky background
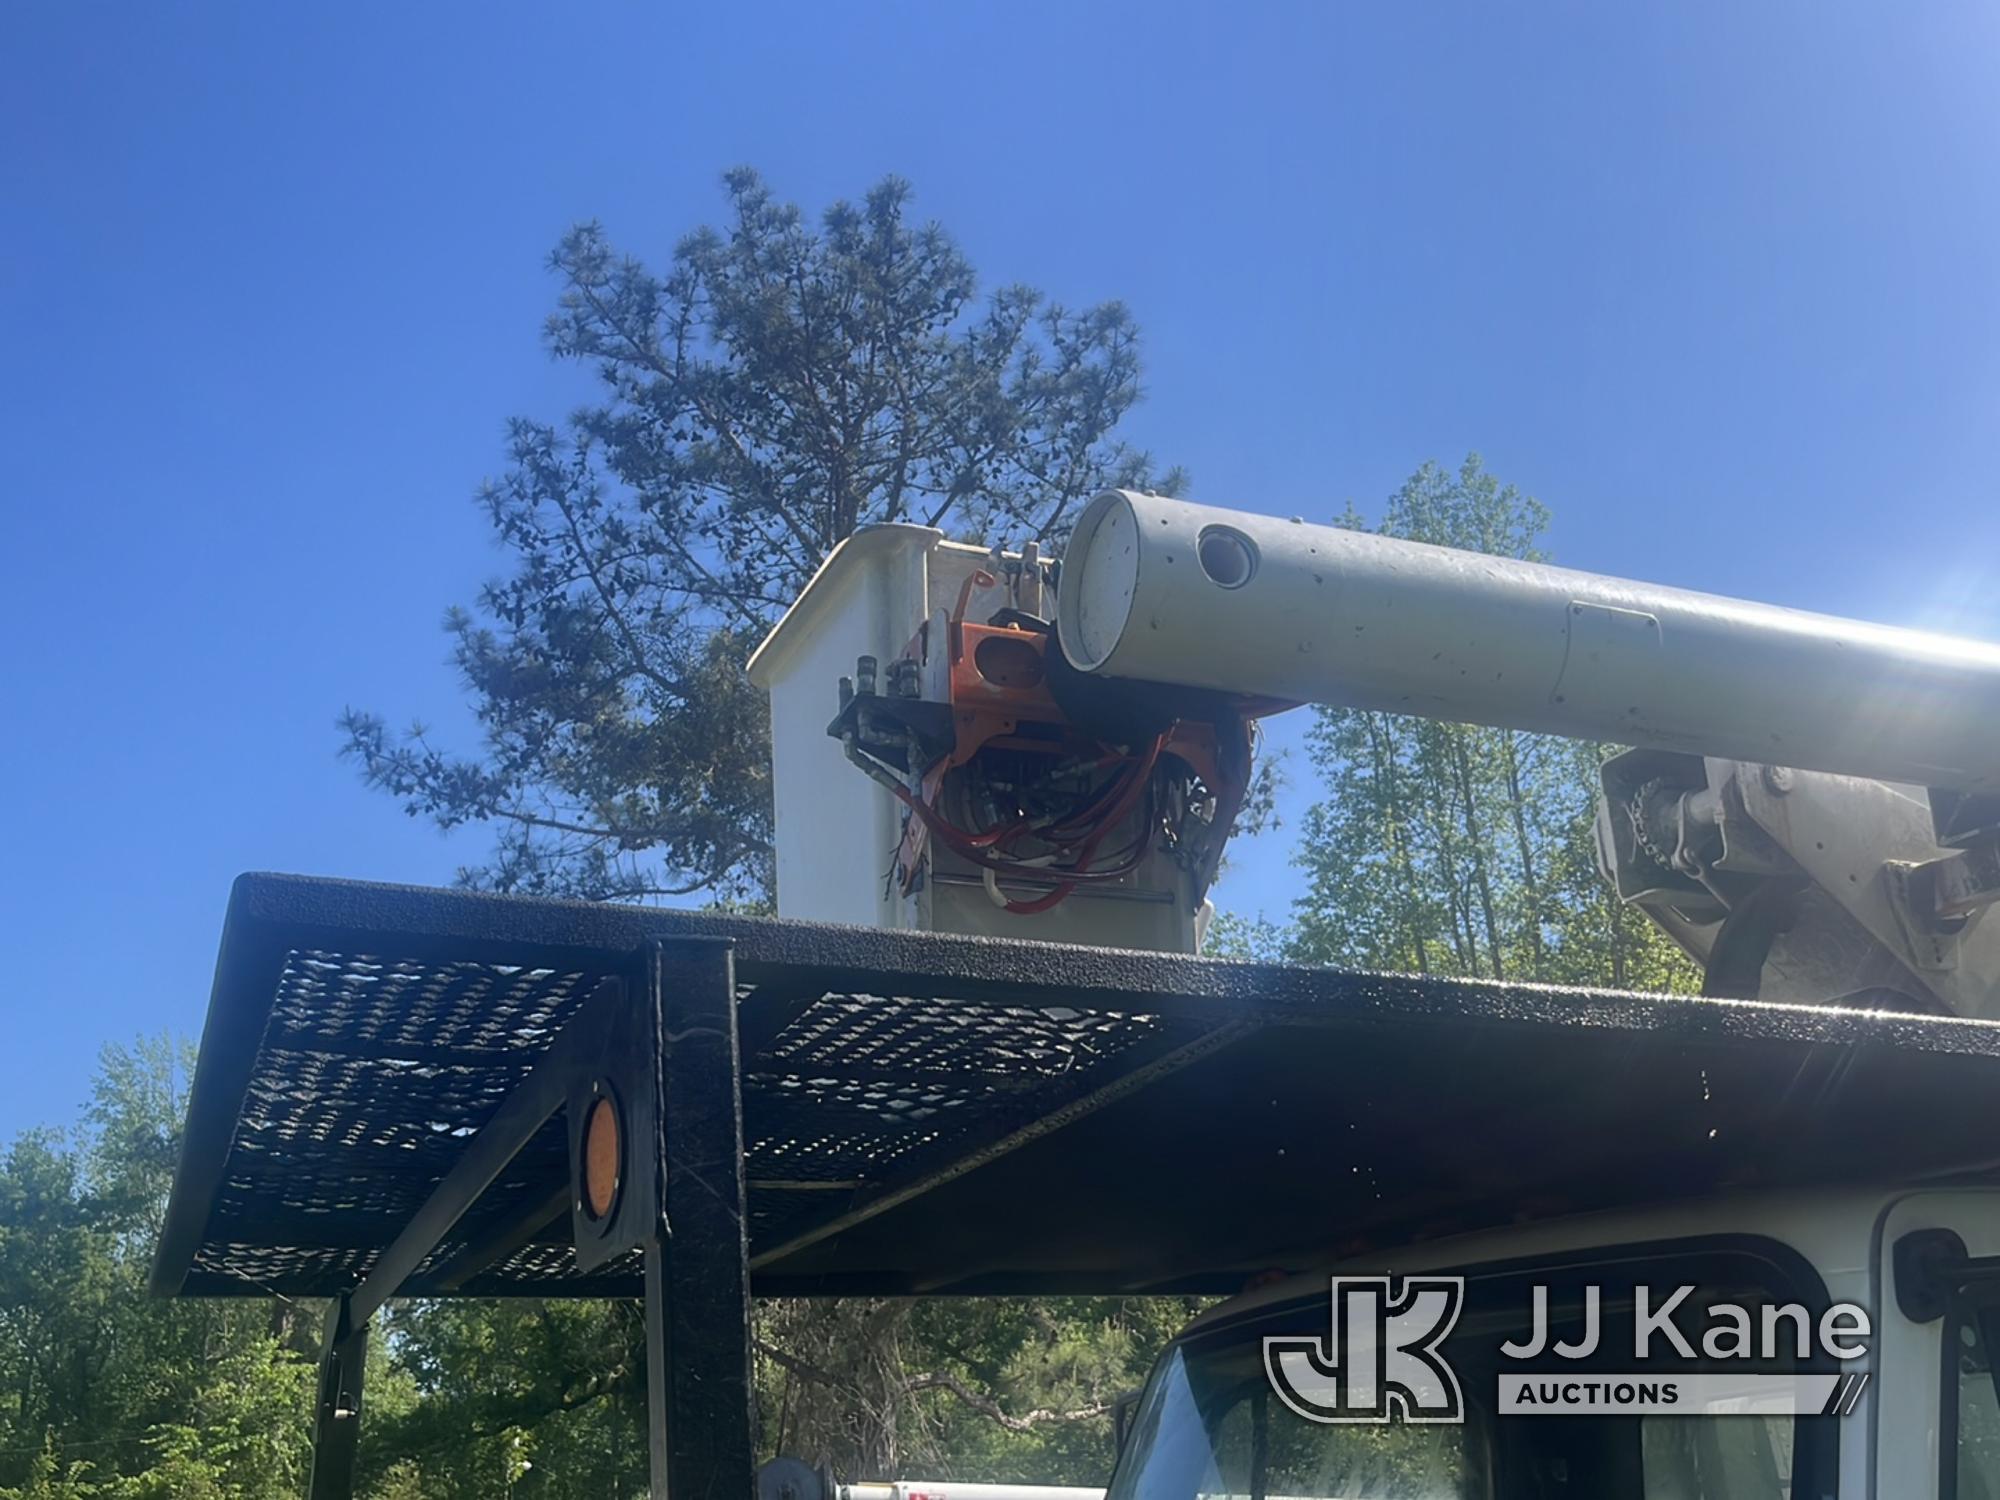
1720 283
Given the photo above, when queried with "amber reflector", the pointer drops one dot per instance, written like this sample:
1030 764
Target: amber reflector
600 1158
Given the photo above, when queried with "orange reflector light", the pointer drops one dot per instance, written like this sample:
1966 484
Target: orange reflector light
600 1158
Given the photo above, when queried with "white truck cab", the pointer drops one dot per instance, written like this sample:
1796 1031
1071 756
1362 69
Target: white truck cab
1917 1413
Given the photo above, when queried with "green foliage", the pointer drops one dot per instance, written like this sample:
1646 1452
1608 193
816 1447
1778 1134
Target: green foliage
778 384
1452 849
990 1389
543 1397
1233 935
47 1477
548 1396
104 1392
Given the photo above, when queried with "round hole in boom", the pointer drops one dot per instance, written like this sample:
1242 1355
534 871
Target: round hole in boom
601 1158
1227 556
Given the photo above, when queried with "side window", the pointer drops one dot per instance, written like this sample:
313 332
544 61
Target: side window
1972 1462
1716 1458
1210 1428
1287 1459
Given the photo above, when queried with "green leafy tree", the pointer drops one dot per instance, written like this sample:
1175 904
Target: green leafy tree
779 383
550 1395
527 1397
1455 849
47 1477
105 1392
1002 1390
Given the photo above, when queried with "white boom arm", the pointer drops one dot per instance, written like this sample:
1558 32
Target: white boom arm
1165 591
1813 809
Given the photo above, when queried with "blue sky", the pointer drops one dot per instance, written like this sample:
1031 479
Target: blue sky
1719 283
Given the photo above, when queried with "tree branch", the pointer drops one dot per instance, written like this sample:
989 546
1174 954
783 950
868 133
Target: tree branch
986 1406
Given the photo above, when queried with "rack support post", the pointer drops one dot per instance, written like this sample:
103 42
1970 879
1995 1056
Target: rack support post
337 1412
698 1371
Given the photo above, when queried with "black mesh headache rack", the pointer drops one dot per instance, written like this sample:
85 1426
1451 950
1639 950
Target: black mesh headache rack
395 1087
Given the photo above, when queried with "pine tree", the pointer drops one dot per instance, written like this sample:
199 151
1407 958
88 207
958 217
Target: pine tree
778 384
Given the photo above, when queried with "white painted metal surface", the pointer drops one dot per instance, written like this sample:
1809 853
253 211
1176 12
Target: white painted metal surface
1165 591
837 830
1909 1426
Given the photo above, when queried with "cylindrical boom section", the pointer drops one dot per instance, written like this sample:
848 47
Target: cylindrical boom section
1165 591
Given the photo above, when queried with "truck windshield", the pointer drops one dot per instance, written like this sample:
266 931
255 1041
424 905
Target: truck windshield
1210 1427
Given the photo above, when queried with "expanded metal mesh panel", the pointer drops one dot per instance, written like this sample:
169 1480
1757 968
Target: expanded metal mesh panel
373 1073
448 1007
922 1111
919 1037
228 1265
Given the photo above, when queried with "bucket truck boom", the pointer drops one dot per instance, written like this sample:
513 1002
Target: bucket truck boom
1811 806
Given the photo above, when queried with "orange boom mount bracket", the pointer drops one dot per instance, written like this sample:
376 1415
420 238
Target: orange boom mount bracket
1009 763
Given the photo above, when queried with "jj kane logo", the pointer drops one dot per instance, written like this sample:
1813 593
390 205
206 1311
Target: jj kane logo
1385 1360
1383 1357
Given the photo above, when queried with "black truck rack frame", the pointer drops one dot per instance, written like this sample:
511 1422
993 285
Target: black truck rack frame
400 1091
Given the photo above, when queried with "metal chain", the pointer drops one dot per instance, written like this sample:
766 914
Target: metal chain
1635 809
